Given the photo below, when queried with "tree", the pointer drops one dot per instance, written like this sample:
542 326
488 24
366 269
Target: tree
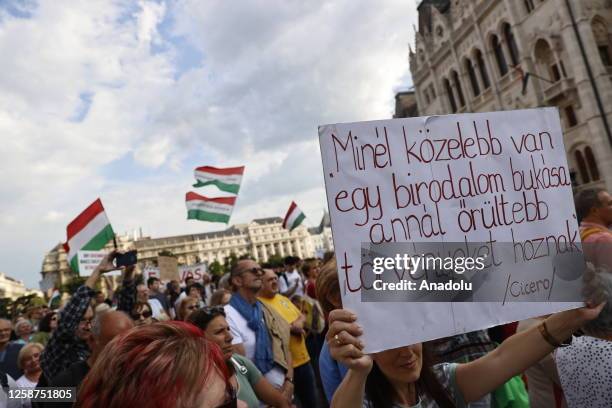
230 262
72 285
276 261
165 252
215 268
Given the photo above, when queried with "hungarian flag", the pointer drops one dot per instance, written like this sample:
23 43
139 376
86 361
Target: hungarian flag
227 179
90 231
55 300
209 209
294 217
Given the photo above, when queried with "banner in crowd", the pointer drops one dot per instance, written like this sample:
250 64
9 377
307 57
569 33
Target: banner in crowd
226 179
196 272
88 260
90 231
168 268
493 178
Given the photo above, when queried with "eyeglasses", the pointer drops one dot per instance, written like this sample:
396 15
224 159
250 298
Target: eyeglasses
85 322
255 271
214 310
145 314
192 307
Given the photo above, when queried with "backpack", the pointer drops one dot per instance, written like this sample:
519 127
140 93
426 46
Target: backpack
4 381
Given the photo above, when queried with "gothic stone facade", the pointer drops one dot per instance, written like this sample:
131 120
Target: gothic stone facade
473 56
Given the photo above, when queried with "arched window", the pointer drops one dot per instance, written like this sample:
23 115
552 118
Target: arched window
482 69
472 74
582 169
545 61
590 159
451 98
499 56
602 39
458 87
510 41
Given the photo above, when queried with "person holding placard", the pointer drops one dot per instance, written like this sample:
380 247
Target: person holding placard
404 377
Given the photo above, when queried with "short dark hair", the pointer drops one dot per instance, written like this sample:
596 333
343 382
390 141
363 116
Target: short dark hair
151 281
202 317
292 260
45 323
586 201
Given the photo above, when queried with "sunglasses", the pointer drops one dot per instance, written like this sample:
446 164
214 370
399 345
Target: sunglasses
255 271
146 314
214 310
192 307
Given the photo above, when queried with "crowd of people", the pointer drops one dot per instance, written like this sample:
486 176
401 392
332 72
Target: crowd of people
263 336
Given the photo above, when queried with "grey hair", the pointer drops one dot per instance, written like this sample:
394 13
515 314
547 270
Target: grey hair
598 288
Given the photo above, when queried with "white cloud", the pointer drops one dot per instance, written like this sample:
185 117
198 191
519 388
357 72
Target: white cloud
271 72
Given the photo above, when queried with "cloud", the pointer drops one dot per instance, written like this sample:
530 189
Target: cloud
122 99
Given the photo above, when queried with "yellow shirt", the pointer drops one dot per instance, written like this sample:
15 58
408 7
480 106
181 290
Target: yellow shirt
288 311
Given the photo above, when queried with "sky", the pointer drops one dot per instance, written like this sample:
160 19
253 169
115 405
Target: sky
123 99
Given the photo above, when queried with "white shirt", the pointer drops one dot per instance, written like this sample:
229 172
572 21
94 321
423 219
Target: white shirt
156 308
585 369
12 403
23 382
244 335
285 284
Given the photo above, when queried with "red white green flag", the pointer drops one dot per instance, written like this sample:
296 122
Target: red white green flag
90 231
226 179
294 217
209 209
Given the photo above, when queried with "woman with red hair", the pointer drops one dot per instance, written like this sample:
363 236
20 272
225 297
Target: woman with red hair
163 365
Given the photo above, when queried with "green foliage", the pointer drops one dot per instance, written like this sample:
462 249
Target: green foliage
73 284
215 268
230 262
276 261
165 252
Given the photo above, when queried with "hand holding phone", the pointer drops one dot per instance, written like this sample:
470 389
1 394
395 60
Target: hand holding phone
126 259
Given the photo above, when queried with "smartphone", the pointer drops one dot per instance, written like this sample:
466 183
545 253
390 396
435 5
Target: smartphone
126 259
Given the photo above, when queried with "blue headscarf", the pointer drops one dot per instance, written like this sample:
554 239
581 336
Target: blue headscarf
264 359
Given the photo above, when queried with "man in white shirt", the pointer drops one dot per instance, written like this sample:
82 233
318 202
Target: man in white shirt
142 296
291 281
247 279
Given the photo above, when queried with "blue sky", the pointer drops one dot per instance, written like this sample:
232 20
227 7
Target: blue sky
122 99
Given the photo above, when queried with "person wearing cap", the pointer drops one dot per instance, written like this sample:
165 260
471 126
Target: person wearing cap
259 333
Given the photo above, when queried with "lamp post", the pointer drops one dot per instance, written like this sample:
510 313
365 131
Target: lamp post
526 80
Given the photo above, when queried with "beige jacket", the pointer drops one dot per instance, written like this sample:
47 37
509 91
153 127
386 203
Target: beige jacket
278 329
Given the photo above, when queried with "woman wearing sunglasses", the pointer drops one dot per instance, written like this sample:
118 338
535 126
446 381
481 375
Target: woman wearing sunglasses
168 364
142 314
252 385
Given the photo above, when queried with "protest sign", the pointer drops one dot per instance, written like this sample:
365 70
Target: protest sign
168 268
150 272
88 260
196 272
492 178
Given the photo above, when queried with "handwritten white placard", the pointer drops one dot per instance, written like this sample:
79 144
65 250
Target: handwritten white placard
499 176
